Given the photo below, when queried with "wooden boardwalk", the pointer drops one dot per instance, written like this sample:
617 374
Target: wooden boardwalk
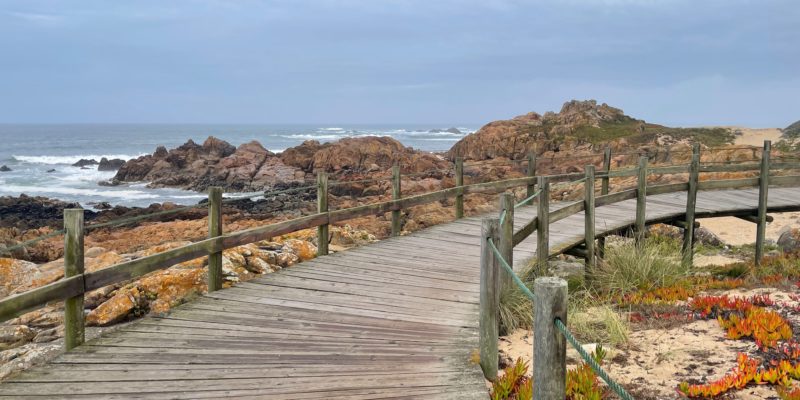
393 320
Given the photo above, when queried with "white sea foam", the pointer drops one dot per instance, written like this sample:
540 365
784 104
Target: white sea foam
50 190
332 129
71 159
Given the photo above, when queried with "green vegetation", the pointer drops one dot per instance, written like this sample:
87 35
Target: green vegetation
642 132
516 310
628 268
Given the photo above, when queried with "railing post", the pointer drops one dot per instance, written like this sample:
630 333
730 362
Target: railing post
691 201
396 196
506 234
604 186
606 169
460 184
214 230
763 189
322 207
589 233
73 265
641 200
543 227
531 188
549 345
489 300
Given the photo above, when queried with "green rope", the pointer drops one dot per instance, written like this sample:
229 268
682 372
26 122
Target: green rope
510 270
31 241
616 387
502 216
527 199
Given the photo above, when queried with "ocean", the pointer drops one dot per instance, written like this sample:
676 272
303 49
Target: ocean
33 150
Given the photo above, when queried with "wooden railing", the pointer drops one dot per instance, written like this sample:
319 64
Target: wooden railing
497 262
77 282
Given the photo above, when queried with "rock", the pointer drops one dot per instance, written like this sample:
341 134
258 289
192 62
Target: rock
26 212
110 182
5 168
359 155
85 163
285 260
566 268
14 336
789 240
302 249
51 170
49 335
110 165
706 237
116 309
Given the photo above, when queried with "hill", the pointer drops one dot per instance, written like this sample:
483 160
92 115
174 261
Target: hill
580 126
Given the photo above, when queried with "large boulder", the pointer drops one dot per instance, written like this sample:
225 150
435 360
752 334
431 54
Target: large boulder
789 240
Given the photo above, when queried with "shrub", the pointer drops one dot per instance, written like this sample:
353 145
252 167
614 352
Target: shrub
628 267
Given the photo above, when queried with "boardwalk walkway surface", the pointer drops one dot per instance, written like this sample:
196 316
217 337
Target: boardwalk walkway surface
393 320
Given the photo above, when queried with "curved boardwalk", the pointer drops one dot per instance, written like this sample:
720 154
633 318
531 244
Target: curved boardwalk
396 319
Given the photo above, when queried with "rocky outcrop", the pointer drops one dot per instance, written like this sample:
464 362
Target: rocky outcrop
5 168
360 155
251 167
214 163
789 240
580 128
110 165
27 212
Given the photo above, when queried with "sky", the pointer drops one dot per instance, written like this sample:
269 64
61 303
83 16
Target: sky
674 62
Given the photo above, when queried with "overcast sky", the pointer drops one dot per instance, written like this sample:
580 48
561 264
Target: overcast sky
677 62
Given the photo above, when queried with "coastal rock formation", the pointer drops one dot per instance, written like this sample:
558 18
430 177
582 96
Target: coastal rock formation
251 167
83 162
5 168
31 212
581 127
363 154
214 163
110 165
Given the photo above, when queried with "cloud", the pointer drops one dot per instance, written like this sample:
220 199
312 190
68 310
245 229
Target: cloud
39 18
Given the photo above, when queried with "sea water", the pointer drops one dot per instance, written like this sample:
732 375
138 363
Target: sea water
33 150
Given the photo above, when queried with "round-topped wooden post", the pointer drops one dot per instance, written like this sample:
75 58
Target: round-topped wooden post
763 189
549 345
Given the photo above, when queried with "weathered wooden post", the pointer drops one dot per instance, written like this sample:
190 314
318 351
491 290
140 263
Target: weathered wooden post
73 265
489 300
543 227
531 188
506 235
322 207
641 201
589 233
606 169
691 201
549 345
460 185
396 196
604 186
214 230
763 189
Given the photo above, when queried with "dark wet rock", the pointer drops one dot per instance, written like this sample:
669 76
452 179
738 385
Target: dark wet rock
5 168
110 165
85 162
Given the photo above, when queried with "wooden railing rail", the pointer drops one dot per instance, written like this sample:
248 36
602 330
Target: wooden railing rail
77 282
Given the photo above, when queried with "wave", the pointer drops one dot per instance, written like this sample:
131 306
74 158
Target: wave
55 160
331 129
124 194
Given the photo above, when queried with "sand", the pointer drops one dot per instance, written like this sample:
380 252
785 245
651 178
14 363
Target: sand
755 136
655 361
736 232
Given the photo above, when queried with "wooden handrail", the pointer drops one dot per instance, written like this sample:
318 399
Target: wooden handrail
15 305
